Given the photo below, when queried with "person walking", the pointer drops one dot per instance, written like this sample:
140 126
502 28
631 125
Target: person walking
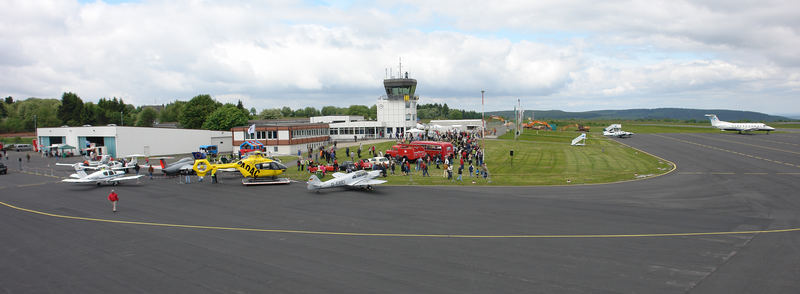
113 197
28 156
136 168
150 171
460 172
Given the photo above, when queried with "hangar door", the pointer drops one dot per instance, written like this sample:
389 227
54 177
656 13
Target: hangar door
107 142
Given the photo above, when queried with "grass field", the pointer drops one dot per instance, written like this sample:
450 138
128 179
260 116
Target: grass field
539 159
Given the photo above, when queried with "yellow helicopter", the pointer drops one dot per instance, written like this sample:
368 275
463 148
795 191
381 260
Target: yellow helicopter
256 169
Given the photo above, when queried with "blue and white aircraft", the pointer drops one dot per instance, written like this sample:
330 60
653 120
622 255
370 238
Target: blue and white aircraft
104 176
740 127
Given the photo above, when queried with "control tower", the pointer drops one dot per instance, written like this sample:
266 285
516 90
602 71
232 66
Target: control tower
397 110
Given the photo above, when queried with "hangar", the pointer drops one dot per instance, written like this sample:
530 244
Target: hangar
120 141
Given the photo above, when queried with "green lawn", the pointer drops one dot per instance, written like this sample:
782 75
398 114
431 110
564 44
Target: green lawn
539 159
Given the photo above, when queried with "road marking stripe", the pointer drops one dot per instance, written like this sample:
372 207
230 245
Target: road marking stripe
748 144
720 149
353 234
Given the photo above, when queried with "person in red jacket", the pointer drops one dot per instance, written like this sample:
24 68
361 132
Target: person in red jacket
113 197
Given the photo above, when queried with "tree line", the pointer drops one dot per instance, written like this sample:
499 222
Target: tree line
200 112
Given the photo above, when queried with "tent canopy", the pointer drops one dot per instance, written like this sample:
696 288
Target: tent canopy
59 147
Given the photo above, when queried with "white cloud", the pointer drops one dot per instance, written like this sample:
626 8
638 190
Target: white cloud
571 55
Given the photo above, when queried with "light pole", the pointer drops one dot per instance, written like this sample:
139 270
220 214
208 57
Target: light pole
35 132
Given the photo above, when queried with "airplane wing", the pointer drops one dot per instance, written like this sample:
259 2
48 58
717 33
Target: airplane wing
338 174
366 182
124 178
78 181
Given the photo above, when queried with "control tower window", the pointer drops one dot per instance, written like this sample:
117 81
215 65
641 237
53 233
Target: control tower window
400 91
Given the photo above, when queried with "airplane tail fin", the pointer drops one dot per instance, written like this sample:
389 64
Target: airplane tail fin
713 118
79 170
313 182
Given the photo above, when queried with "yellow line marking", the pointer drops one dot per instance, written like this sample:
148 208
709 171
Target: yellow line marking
352 234
721 149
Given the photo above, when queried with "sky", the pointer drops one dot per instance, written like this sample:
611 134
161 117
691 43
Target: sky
567 55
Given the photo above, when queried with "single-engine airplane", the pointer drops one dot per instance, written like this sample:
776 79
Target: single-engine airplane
358 179
105 176
740 127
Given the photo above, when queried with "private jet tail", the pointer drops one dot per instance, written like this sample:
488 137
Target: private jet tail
313 183
714 120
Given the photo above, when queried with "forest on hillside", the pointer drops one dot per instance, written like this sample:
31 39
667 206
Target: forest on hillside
200 112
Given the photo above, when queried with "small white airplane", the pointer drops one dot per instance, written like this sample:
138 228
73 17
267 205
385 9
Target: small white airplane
740 127
615 130
358 179
104 160
105 176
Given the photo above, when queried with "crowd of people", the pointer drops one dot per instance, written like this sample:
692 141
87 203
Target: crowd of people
467 158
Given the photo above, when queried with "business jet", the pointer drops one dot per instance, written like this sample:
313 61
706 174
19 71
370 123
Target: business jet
615 130
740 127
105 176
358 179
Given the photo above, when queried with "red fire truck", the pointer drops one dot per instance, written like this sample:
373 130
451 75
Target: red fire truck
407 151
436 149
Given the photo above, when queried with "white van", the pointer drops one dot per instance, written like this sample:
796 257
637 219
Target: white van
23 147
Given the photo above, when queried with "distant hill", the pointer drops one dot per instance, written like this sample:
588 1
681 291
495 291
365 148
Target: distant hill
647 114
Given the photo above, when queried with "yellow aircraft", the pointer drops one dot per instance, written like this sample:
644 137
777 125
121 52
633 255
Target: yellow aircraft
256 168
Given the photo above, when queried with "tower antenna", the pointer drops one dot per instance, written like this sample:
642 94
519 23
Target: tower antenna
400 67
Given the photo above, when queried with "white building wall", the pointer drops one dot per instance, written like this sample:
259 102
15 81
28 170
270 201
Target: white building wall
238 136
393 113
283 135
132 140
136 140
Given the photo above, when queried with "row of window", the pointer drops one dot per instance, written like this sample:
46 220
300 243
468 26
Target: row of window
260 135
309 133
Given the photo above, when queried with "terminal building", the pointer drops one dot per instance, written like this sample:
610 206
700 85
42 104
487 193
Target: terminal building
283 137
120 141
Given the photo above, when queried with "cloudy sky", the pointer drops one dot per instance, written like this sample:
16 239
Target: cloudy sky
560 54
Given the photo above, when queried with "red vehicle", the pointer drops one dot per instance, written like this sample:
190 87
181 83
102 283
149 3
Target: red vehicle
407 151
436 149
321 167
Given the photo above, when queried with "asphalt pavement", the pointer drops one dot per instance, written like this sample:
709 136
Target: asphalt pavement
675 233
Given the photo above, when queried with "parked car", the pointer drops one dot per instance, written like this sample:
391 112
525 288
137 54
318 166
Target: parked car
378 160
3 168
18 147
